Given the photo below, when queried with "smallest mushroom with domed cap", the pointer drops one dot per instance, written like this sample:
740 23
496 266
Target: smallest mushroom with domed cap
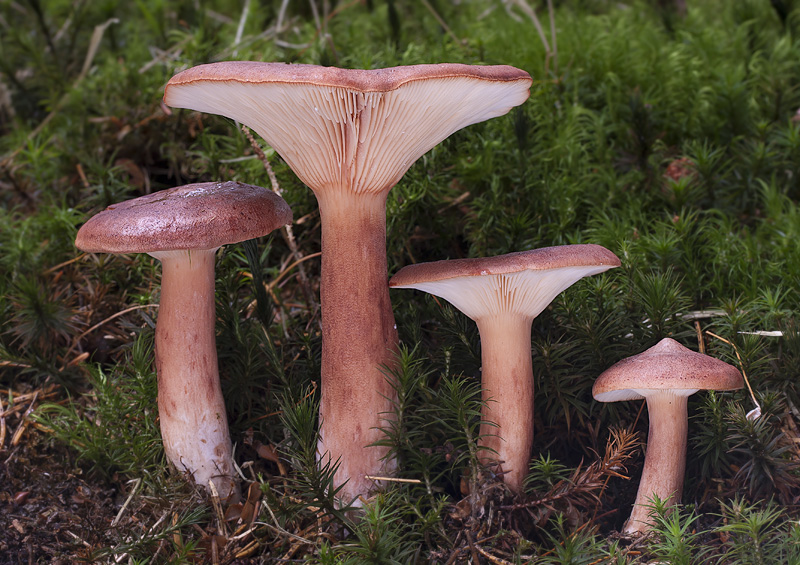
665 375
183 227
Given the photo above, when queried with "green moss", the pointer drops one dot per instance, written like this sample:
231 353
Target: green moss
633 89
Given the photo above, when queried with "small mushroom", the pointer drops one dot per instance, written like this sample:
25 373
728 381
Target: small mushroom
665 375
183 227
503 295
350 135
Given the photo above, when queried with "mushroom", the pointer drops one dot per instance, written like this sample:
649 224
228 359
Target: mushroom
183 227
665 375
503 295
350 135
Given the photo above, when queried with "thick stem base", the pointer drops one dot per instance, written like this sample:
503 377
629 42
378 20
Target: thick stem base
194 426
359 338
665 458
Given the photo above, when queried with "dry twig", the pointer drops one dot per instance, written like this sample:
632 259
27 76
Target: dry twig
15 439
286 231
443 23
2 426
77 340
217 506
581 488
741 368
118 517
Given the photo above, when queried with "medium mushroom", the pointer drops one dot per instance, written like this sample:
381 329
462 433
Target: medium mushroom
183 227
665 375
350 135
503 295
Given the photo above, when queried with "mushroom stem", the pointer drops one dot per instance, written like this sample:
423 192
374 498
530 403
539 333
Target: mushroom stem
194 426
507 380
359 336
665 458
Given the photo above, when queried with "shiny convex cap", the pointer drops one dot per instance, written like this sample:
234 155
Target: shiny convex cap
194 216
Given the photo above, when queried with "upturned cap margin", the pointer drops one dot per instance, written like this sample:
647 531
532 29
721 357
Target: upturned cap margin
364 80
578 255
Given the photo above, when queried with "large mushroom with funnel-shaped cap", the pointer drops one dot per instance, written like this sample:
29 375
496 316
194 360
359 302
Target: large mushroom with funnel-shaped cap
665 375
350 135
183 227
503 295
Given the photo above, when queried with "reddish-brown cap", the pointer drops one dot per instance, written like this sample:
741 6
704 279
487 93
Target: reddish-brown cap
194 216
580 255
524 282
668 365
363 80
361 129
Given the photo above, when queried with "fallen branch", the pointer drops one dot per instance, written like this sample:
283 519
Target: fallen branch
286 231
582 486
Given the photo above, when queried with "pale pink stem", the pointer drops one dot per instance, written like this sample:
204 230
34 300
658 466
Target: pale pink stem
665 458
194 426
507 381
359 337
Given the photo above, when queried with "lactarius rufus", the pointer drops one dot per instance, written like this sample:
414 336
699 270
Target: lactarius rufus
350 135
665 375
183 227
503 295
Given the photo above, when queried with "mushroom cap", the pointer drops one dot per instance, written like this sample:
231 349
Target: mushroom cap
195 216
668 365
521 283
364 80
350 127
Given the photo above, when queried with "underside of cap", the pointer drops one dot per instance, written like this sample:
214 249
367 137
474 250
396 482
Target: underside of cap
360 129
194 216
668 365
518 283
638 393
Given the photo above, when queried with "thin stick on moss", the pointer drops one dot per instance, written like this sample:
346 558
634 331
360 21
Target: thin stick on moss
741 367
78 339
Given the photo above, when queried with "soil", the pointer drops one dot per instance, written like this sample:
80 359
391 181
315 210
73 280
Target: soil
52 512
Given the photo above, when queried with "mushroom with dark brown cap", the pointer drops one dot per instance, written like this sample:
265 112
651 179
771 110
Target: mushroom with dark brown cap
665 375
350 135
183 227
503 295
